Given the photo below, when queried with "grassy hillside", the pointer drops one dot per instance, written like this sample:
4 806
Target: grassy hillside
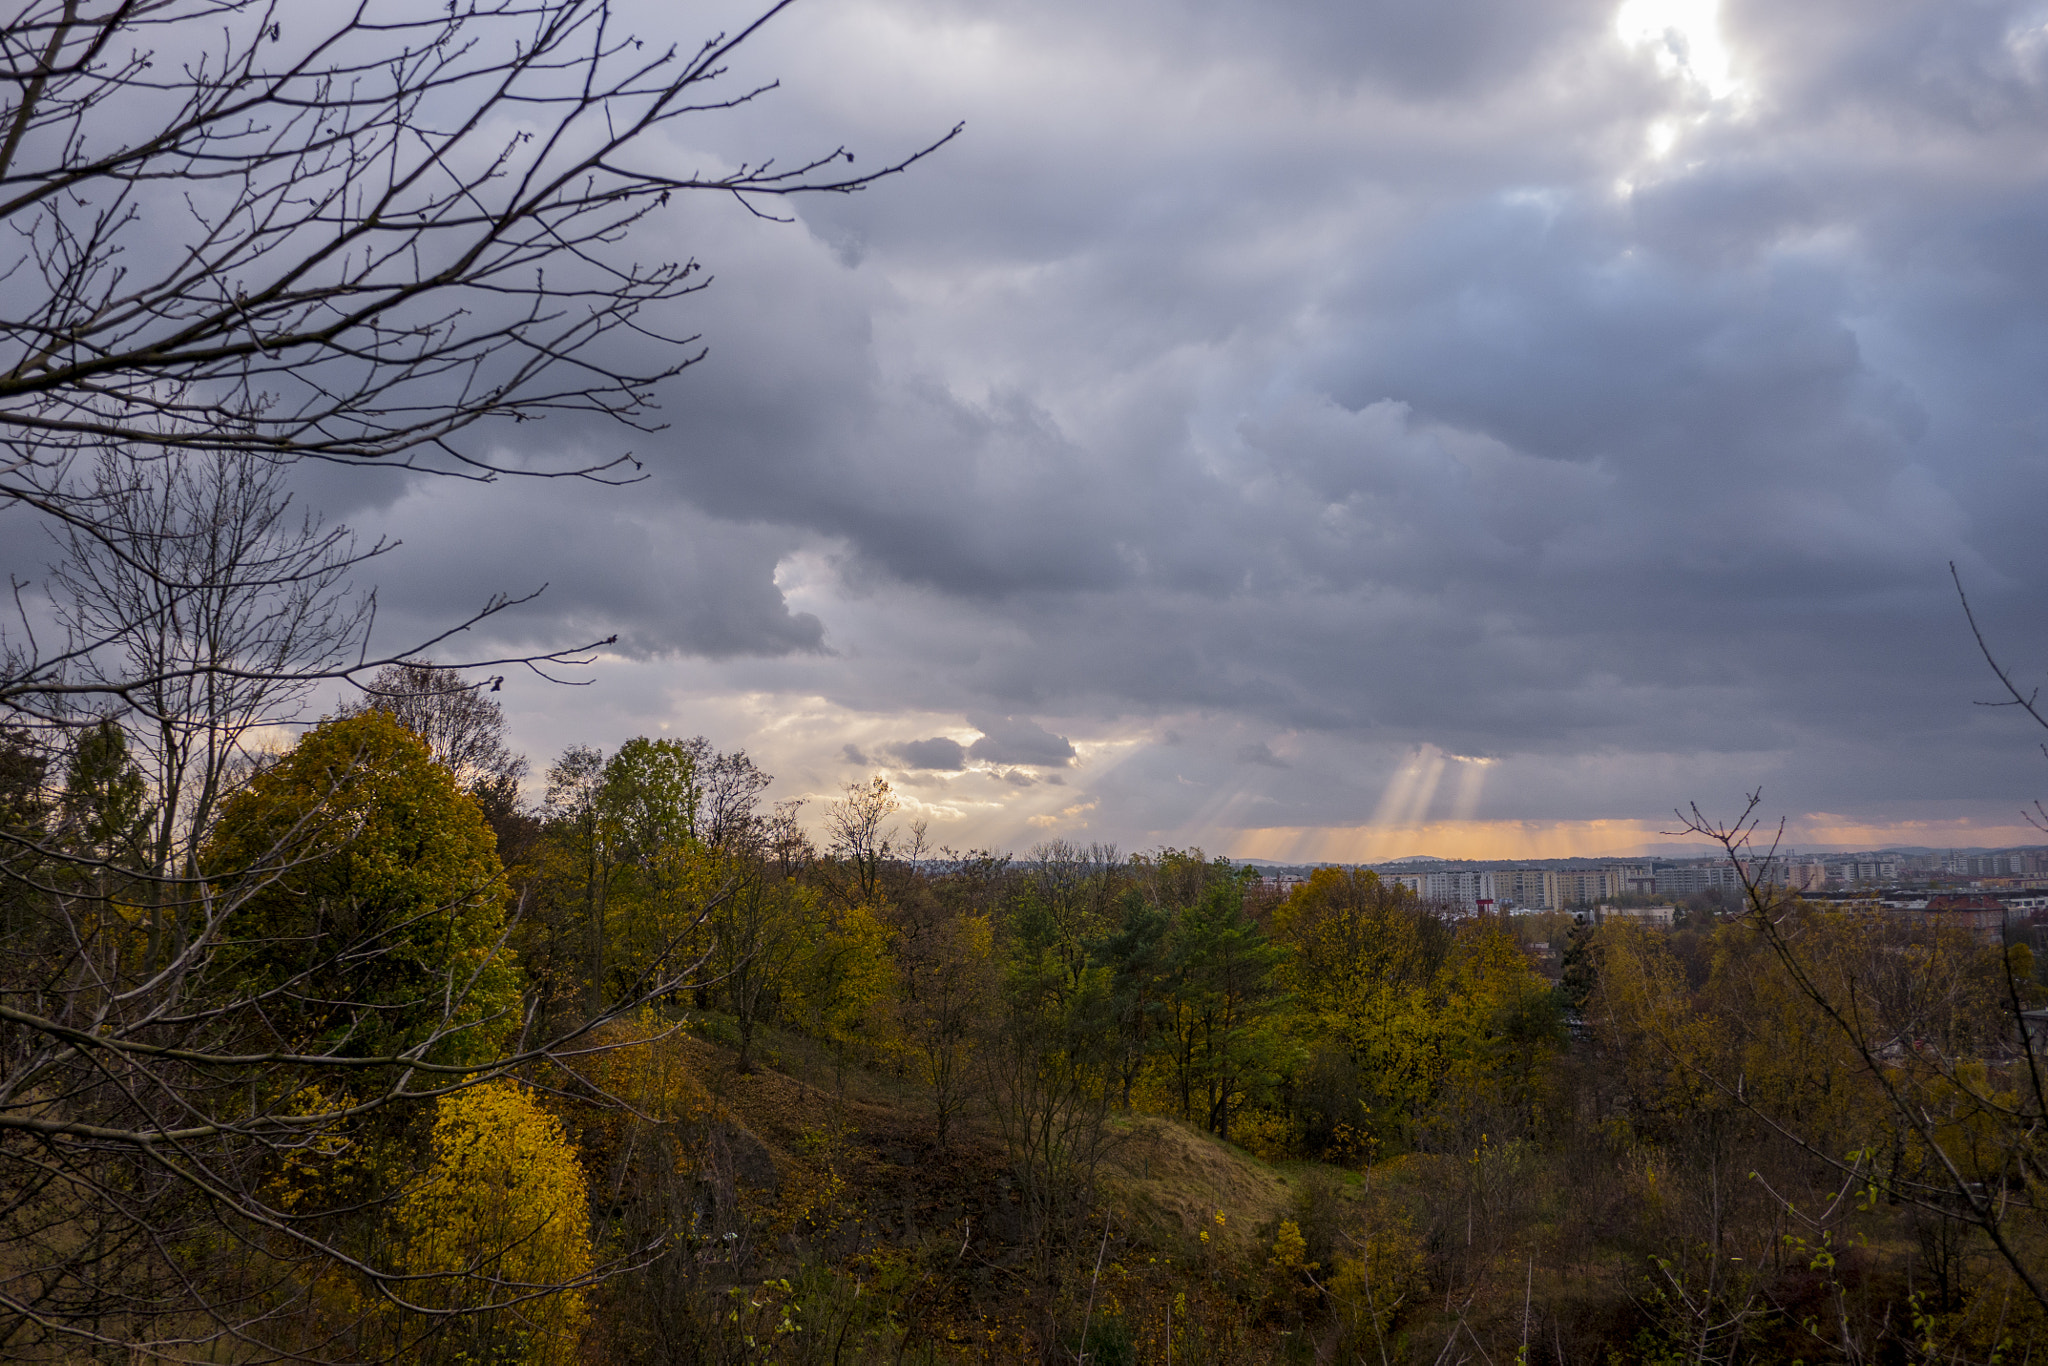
856 1237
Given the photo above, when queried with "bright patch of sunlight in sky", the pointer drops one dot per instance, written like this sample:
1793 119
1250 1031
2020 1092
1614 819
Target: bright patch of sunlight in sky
1686 37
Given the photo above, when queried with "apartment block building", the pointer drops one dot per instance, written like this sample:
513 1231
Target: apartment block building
1461 887
2024 864
1685 879
1858 872
1788 873
1659 916
1639 878
1564 887
1528 887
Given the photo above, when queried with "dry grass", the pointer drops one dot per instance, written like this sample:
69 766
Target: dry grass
1178 1179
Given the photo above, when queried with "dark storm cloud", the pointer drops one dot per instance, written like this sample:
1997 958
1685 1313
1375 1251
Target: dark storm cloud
664 578
936 753
1019 740
1360 372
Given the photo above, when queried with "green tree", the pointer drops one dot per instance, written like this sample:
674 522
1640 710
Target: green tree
648 800
24 812
583 857
206 607
1501 1028
650 794
1070 894
841 978
1579 968
1221 1005
757 922
1136 957
106 815
392 195
106 798
377 912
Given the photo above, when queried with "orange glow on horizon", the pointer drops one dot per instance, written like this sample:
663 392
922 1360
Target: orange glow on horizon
1484 840
1449 839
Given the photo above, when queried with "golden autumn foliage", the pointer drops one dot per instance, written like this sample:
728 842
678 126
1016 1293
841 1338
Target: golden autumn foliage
1656 1145
844 978
1921 1005
499 1226
1499 1028
633 1099
1364 969
1427 1017
1376 1279
1288 1268
641 1062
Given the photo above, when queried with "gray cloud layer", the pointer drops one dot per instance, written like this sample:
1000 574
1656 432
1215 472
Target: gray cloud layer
1353 378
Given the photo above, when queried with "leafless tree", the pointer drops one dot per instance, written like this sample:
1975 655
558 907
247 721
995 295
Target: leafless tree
464 727
733 784
859 837
948 975
785 841
2028 700
202 627
1050 1088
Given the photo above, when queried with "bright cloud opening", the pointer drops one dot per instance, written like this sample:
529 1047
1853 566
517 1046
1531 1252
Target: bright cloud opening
1685 36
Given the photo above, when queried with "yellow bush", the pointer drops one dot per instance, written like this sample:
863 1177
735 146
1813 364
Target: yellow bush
1372 1284
1267 1134
1288 1269
499 1225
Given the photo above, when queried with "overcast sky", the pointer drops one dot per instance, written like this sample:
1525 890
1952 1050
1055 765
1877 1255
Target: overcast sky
1334 430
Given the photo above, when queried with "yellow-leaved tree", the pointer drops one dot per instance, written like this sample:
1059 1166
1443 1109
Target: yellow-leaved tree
1366 959
1501 1027
500 1230
843 981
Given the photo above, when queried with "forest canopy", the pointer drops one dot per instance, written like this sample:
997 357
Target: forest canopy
954 1105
